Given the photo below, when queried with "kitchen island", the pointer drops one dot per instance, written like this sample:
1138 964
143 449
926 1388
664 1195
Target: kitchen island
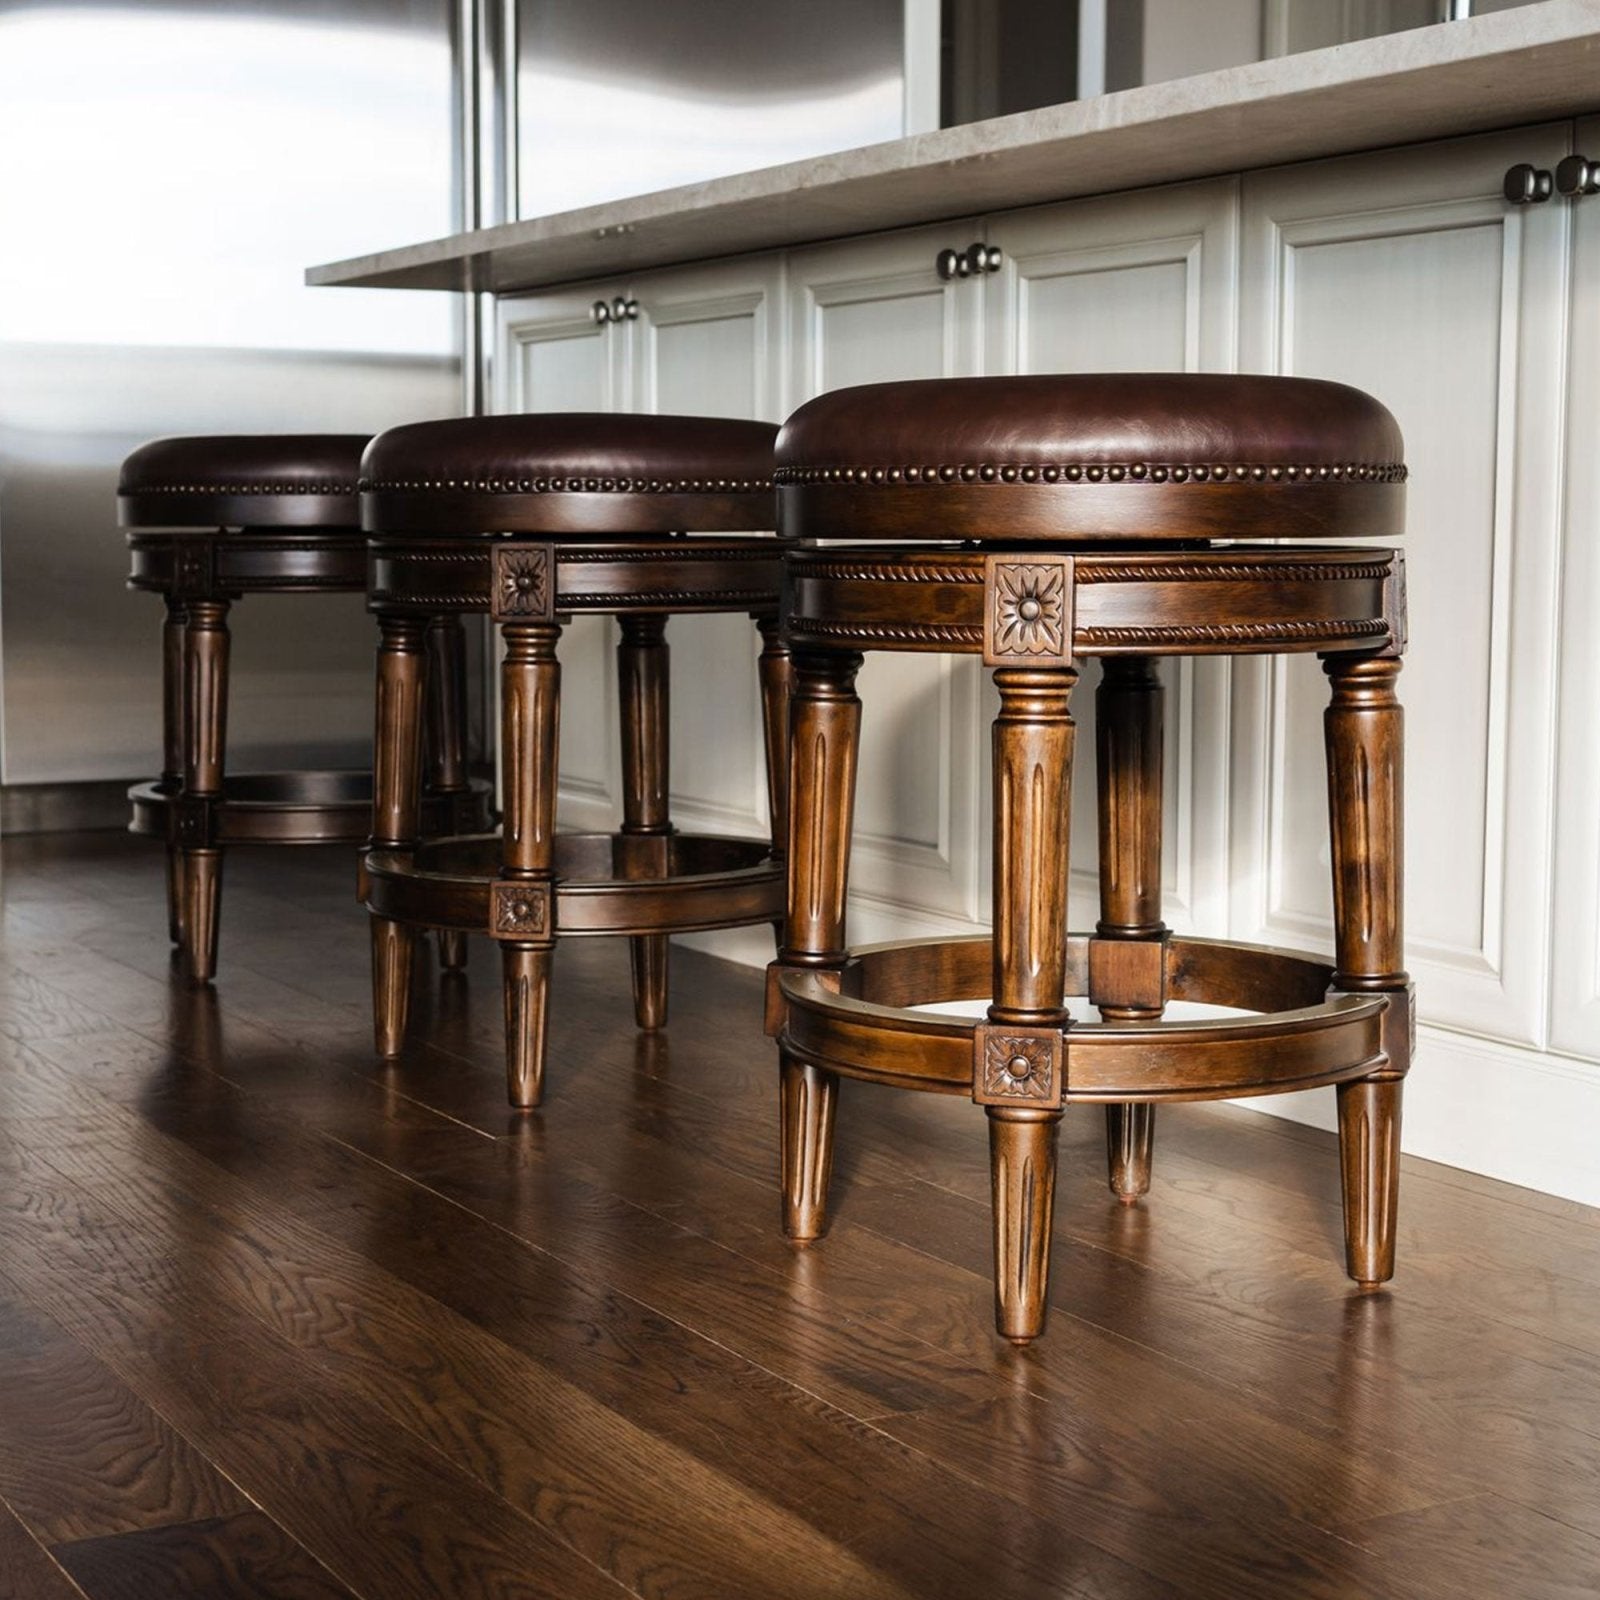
1340 214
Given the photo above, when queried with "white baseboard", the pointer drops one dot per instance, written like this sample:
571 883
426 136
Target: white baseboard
1501 1110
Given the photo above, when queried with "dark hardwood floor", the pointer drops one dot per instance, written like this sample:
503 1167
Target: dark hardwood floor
277 1320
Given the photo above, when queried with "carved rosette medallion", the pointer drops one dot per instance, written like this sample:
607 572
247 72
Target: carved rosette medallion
1012 1066
1027 611
523 587
520 911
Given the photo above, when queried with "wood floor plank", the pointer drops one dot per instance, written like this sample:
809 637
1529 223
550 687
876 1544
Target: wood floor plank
839 1476
451 1349
243 1557
387 1516
27 1570
1181 1514
80 1455
1461 1547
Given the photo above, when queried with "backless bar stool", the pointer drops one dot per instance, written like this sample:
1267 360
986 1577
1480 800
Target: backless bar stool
1094 514
215 519
534 519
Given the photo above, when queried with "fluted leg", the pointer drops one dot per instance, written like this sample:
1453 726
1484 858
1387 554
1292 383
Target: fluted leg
397 777
1364 729
810 1098
1128 744
777 685
530 691
1033 737
445 733
1022 1176
205 733
642 687
172 763
825 732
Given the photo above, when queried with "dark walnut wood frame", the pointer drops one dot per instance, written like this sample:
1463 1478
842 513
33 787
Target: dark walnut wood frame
194 805
529 886
1032 612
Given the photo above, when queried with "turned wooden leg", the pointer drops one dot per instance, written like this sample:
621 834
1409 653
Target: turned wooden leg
776 668
445 733
205 733
172 763
642 689
397 779
1128 749
524 896
1364 728
809 1098
1019 1070
825 733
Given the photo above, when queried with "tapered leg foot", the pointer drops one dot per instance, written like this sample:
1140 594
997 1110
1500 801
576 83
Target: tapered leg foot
452 949
649 956
810 1097
1130 1142
202 910
1022 1170
1369 1156
175 894
527 982
392 945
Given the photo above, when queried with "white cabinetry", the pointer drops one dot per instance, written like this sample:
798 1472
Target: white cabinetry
1404 272
1408 274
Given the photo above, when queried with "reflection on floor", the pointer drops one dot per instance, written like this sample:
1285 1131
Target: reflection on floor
277 1320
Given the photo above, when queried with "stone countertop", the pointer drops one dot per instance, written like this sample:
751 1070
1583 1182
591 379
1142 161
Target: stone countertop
1536 63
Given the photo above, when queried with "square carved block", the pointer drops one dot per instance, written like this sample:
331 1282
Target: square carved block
1027 611
194 568
1017 1066
1128 973
523 582
522 911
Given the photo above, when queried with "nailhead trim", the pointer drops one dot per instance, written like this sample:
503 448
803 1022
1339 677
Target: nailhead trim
552 484
237 488
1109 472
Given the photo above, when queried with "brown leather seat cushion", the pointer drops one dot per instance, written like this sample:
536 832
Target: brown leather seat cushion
570 473
243 480
1118 455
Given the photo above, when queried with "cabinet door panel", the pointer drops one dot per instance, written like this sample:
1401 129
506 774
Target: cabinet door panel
1133 283
1407 274
704 345
705 340
871 311
1575 957
553 356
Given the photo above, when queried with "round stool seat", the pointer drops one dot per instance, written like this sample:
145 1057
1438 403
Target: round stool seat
1119 518
1127 456
570 473
185 503
534 520
292 480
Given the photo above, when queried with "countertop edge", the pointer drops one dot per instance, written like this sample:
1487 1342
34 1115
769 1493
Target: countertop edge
1519 66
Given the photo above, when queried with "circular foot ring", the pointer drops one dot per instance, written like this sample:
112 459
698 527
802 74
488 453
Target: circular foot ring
604 883
857 1021
303 808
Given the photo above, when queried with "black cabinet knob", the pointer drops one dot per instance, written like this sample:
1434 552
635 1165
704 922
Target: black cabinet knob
1526 185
